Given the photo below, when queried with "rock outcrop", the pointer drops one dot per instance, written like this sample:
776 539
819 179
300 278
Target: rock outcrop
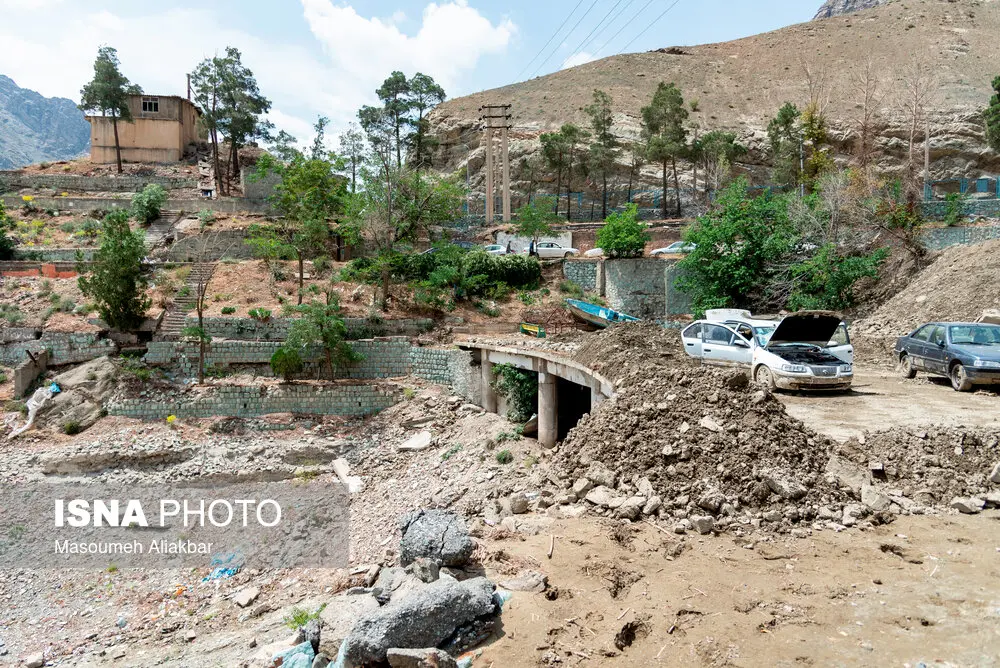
832 8
34 128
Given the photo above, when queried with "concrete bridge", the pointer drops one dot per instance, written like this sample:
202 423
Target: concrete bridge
566 389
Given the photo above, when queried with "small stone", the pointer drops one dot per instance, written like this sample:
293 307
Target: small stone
680 528
34 660
645 487
245 597
995 474
518 503
424 569
874 499
420 658
531 581
652 505
703 524
600 496
190 635
582 486
799 532
601 475
321 661
684 428
710 424
420 441
772 516
968 506
631 508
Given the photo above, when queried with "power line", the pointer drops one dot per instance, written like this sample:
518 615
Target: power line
622 29
558 30
655 21
579 48
548 57
610 23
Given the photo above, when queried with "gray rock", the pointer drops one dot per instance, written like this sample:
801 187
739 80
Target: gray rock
709 423
784 486
703 524
968 506
993 500
652 505
846 473
874 499
34 660
995 474
339 617
582 486
420 658
420 441
532 581
424 569
631 508
645 487
426 617
321 661
245 597
437 534
772 516
601 475
518 503
600 496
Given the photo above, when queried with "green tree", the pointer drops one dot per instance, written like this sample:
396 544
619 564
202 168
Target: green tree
394 94
424 93
739 249
310 197
534 220
604 149
718 150
352 148
146 205
663 126
6 243
785 136
992 117
108 93
573 136
319 325
283 146
115 281
826 280
623 235
554 150
286 363
816 140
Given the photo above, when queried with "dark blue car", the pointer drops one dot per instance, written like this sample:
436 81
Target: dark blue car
966 353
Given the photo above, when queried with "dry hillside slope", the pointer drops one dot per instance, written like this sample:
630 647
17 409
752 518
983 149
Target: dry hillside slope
741 84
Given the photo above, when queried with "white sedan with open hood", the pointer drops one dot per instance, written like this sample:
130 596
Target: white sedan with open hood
805 350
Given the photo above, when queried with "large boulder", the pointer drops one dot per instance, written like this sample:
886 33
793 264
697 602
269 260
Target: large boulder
435 534
83 392
426 618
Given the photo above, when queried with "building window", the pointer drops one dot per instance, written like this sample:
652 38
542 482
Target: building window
151 105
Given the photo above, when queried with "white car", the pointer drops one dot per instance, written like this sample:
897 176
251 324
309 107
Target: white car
496 249
676 248
550 250
594 252
805 350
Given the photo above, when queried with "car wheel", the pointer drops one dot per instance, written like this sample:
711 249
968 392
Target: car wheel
906 366
567 256
764 378
959 379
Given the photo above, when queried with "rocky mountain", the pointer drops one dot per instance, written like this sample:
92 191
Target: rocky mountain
34 128
740 85
840 7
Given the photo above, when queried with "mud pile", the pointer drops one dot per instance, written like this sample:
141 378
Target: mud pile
630 347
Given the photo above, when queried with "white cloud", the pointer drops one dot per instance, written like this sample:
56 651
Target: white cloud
578 59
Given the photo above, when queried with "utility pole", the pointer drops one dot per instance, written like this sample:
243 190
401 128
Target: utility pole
497 117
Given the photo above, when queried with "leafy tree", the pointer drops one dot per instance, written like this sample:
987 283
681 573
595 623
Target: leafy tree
663 128
320 325
115 281
6 243
622 234
352 148
423 94
786 137
231 105
816 139
534 220
108 93
992 117
554 150
826 280
530 169
637 153
718 151
286 363
283 146
604 148
739 245
394 93
573 136
146 204
309 197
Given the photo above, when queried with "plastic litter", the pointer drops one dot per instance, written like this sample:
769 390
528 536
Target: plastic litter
37 400
224 566
55 389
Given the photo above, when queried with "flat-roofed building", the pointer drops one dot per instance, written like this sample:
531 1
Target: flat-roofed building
162 129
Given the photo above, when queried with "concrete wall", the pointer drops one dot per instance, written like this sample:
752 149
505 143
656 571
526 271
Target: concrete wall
351 400
27 371
43 254
255 189
12 180
63 347
211 247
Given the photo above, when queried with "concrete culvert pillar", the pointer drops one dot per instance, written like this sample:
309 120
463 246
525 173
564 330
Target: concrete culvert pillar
548 413
595 398
489 395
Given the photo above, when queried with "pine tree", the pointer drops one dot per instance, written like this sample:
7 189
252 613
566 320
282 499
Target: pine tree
663 126
604 148
108 93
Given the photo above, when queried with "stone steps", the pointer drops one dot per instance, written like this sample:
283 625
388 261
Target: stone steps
172 325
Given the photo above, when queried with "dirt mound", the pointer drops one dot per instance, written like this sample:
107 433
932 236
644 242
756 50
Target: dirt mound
627 347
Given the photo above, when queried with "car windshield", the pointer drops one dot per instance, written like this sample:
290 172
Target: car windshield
974 335
763 334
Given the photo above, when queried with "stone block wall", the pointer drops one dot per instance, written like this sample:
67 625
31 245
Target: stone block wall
210 247
41 254
351 400
63 347
636 286
224 205
583 272
276 329
27 371
12 180
942 237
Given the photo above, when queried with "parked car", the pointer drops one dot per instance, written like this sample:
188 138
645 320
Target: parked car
464 245
496 249
676 248
805 350
594 252
550 250
968 354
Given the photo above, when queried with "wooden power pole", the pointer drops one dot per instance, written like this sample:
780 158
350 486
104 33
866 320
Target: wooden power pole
497 117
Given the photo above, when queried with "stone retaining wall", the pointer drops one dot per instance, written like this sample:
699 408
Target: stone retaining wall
276 329
642 287
27 371
225 205
211 247
583 272
12 180
63 347
939 238
40 254
351 400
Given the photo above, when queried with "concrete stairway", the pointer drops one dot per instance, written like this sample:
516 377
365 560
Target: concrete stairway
160 229
172 324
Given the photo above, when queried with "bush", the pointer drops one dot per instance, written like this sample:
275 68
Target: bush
519 388
146 205
116 281
320 265
571 288
206 218
260 314
71 428
68 227
623 235
299 617
826 280
286 362
504 457
228 310
89 228
954 208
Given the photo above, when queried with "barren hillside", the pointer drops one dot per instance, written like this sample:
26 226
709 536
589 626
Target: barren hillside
739 85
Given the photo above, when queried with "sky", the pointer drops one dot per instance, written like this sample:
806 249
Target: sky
327 57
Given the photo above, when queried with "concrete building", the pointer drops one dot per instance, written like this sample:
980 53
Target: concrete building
163 128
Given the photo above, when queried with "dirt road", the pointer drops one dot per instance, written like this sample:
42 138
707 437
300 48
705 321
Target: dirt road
918 590
880 399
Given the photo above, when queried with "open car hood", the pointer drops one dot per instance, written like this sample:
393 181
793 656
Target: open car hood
813 327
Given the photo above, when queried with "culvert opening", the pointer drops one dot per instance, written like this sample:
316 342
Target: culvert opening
573 402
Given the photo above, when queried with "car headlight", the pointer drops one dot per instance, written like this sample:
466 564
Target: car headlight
987 364
846 368
793 368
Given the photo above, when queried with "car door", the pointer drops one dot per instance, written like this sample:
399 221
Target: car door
744 334
840 345
691 336
545 249
936 357
721 345
916 346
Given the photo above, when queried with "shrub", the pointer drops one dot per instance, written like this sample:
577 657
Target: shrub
260 314
299 617
68 227
504 457
954 208
116 281
206 218
623 235
72 427
228 310
3 378
321 264
11 313
826 280
519 388
89 228
146 205
571 288
286 362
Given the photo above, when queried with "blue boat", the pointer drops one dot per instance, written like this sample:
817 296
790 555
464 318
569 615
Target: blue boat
599 316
